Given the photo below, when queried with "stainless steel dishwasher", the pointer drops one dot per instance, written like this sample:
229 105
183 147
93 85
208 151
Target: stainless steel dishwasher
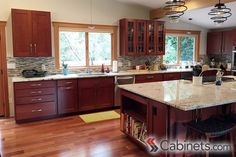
122 80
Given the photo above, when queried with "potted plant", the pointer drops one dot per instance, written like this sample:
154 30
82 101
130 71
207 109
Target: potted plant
65 70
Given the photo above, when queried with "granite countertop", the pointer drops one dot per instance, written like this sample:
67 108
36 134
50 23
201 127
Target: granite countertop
85 75
184 95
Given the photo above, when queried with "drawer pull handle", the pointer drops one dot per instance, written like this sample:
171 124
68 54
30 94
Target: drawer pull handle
39 110
37 92
69 82
39 99
36 85
68 88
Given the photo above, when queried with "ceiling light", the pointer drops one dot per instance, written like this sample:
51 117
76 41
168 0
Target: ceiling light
220 13
175 9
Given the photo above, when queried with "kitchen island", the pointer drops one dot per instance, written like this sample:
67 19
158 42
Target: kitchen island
162 108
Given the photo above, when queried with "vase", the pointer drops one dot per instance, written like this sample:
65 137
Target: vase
65 71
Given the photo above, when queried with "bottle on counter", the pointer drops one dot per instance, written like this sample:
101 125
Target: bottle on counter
219 75
102 69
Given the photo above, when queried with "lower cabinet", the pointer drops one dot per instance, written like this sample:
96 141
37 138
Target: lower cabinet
171 76
95 93
67 96
35 100
148 78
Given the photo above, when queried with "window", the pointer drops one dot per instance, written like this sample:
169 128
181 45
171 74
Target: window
181 46
79 46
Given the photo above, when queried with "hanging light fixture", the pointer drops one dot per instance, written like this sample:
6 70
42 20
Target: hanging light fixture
91 16
220 13
175 9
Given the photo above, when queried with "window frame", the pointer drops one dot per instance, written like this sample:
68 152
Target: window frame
100 28
179 33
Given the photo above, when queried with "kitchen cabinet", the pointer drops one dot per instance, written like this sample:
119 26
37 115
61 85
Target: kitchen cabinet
214 40
155 37
142 37
67 96
171 76
35 100
95 93
221 42
31 32
148 78
132 37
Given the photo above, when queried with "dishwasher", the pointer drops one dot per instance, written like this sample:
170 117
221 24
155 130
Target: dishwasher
122 80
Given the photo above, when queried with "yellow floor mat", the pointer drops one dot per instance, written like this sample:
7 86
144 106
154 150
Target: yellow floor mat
99 116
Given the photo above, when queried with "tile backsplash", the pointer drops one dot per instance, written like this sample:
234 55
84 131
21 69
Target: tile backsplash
23 63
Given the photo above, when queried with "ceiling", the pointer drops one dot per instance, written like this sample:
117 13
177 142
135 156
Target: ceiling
200 16
152 4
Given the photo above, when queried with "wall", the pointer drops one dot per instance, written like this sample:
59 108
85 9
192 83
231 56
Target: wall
78 11
188 26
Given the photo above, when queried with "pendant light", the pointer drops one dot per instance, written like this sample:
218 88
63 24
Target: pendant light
175 9
91 16
220 13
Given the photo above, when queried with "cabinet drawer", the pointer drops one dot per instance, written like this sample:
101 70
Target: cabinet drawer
148 78
105 81
34 92
35 84
29 111
171 76
35 99
69 82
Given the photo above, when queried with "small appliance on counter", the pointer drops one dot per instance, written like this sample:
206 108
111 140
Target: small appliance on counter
33 73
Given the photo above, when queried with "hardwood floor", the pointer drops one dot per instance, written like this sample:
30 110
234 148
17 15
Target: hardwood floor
65 137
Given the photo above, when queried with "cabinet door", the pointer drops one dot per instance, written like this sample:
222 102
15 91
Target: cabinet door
67 97
158 122
41 33
22 33
131 36
151 37
141 37
227 42
87 94
105 92
160 38
214 42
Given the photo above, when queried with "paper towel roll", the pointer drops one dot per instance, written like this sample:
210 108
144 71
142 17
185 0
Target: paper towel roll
114 66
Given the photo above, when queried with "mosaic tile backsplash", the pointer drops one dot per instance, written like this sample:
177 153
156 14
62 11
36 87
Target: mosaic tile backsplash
23 63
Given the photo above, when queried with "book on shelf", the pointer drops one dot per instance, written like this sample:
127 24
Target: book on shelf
135 128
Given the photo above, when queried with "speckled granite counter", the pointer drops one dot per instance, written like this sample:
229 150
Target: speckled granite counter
84 75
183 95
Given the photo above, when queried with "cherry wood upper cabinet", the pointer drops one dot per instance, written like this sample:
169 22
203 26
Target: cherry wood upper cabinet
214 40
141 37
31 33
132 37
221 42
155 38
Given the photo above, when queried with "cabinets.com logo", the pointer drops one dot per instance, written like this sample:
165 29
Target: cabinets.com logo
177 146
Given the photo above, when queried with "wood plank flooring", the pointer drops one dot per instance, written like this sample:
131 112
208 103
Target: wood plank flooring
65 137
